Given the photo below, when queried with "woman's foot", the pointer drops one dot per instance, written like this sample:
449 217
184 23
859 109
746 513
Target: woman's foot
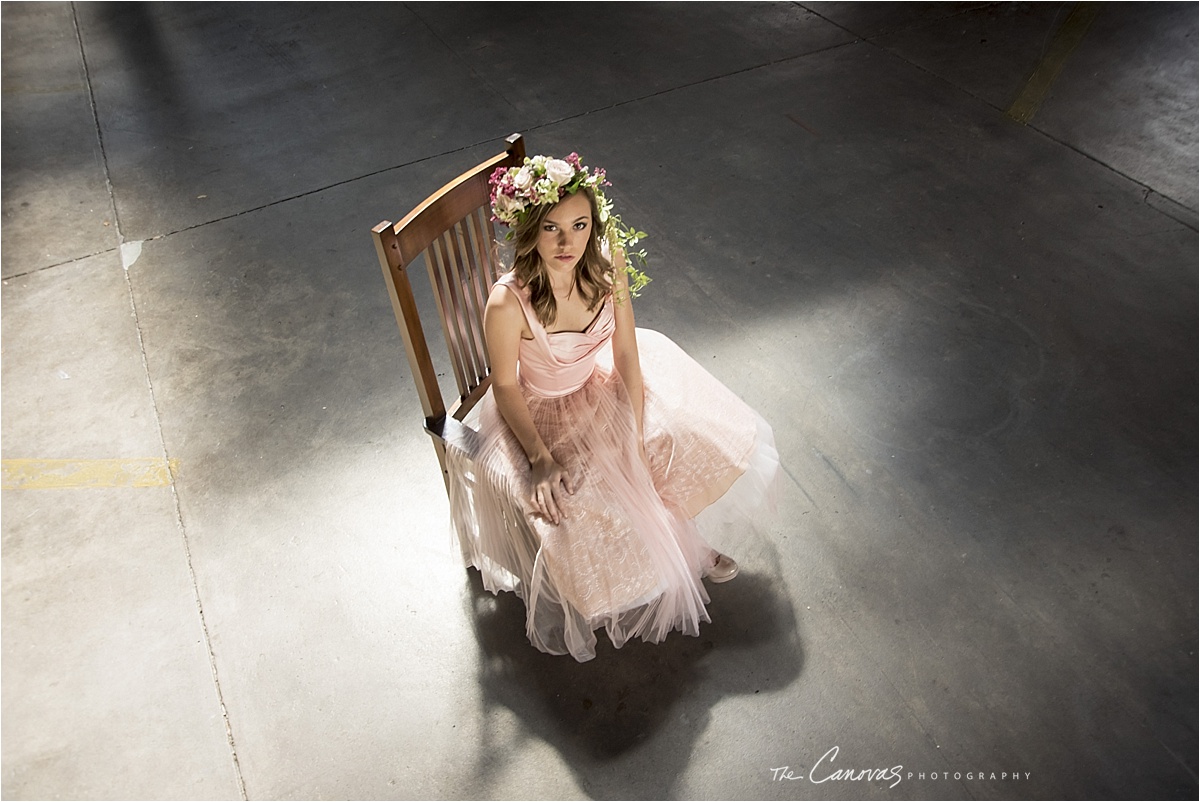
722 569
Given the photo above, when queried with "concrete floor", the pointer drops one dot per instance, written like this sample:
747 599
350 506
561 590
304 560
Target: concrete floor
976 340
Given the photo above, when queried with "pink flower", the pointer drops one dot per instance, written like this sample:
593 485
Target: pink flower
497 175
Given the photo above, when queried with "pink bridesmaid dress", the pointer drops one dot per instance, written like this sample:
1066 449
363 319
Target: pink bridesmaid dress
628 554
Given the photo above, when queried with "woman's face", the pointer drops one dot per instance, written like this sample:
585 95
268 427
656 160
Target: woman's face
565 232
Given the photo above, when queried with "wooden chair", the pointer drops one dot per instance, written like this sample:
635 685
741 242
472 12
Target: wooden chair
453 229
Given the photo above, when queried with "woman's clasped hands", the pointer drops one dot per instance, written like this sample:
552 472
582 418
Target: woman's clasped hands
549 482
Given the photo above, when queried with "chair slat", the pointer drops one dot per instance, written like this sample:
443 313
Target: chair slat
469 312
493 245
481 280
469 342
436 260
475 301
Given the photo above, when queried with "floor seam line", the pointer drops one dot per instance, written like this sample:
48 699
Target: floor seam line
87 78
559 120
701 81
872 41
481 142
318 190
212 664
63 263
1148 189
901 28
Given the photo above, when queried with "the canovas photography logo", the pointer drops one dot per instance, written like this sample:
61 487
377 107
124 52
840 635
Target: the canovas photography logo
828 770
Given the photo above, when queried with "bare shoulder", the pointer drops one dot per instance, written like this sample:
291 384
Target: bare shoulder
502 301
504 312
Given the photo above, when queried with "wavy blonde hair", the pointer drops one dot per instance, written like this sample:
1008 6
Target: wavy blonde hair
591 272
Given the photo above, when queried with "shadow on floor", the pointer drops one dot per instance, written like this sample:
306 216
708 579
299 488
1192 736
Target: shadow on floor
627 721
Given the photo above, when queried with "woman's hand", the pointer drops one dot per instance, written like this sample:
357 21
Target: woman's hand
549 481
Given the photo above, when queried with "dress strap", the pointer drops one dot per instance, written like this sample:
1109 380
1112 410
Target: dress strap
509 281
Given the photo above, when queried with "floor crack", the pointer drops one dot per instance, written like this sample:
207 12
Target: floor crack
157 417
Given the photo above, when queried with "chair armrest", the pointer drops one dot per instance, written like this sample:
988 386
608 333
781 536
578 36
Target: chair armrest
455 434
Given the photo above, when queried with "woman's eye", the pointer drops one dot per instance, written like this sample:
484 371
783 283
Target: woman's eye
580 226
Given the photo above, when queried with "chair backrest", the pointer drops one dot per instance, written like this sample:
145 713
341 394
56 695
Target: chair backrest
453 230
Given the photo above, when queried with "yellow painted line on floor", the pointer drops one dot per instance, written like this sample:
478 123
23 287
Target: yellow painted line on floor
1065 40
47 474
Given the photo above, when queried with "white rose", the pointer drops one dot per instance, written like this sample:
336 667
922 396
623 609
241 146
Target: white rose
523 178
559 171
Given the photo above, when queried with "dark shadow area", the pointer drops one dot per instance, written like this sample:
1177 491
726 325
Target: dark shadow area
249 105
157 83
641 705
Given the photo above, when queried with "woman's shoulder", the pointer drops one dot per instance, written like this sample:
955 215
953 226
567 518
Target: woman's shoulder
509 286
504 293
512 284
507 297
506 309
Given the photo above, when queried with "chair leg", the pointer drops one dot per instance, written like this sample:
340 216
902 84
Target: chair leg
440 448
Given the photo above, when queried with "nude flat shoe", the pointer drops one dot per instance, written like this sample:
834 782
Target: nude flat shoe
723 569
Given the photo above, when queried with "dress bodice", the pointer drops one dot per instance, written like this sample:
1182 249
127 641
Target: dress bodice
559 363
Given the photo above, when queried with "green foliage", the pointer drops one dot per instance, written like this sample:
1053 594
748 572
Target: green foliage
622 236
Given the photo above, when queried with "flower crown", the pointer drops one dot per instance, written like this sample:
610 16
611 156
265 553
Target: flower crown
543 180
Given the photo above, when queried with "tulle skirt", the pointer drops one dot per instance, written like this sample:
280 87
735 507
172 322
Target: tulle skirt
629 553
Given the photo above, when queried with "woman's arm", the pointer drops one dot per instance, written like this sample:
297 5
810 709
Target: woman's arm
625 350
503 326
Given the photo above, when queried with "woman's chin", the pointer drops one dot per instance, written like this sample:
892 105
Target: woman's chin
561 265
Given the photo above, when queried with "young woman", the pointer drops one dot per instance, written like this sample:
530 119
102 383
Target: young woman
603 447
